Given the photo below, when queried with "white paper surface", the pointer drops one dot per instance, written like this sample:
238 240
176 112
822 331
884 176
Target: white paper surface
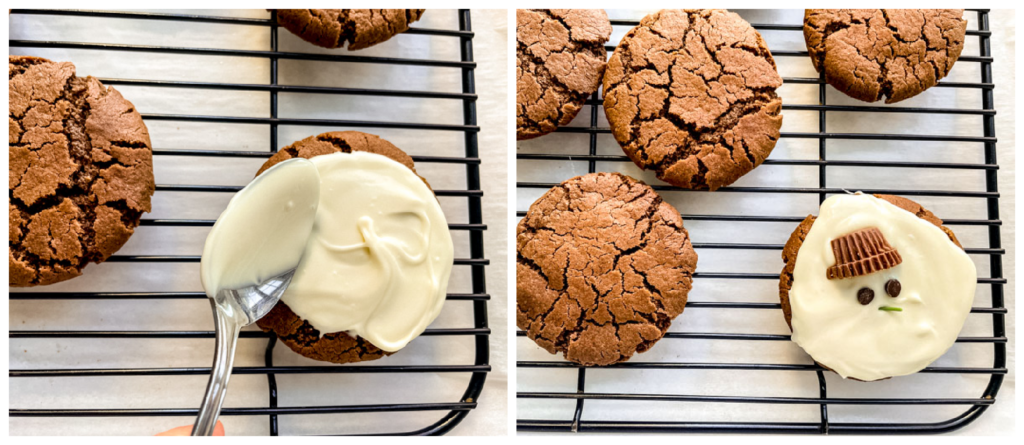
998 419
180 315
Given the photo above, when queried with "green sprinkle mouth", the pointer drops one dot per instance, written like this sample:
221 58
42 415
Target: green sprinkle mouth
890 309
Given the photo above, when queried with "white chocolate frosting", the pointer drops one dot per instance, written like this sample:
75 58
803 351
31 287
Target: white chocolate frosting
861 341
378 259
263 231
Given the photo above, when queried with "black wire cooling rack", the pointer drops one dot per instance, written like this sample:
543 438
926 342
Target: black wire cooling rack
453 412
572 419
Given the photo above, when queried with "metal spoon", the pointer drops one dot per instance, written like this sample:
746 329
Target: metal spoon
262 231
234 309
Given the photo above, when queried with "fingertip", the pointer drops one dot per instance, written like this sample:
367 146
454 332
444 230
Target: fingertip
186 430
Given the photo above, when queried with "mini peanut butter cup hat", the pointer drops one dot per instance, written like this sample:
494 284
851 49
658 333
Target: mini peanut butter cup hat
860 253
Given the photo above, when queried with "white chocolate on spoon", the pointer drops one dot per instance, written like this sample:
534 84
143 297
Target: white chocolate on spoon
263 231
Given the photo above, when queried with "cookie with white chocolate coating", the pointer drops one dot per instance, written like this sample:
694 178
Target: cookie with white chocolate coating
881 305
295 332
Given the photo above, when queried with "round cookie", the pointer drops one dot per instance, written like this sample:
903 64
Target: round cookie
690 94
886 292
299 334
893 53
560 58
360 28
81 171
603 266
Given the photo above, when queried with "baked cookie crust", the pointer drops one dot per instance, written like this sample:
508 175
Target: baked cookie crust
690 94
603 265
80 175
560 59
869 54
359 28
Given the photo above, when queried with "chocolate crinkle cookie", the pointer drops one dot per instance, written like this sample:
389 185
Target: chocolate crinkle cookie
893 53
560 58
293 331
81 171
360 28
603 266
690 94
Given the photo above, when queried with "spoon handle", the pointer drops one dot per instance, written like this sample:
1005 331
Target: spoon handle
228 328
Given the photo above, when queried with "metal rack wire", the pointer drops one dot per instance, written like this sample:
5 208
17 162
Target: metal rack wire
452 412
573 420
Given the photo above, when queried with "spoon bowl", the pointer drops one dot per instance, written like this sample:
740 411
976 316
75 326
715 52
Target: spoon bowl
253 302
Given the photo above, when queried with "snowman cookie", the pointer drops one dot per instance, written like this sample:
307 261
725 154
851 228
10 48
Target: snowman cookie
875 286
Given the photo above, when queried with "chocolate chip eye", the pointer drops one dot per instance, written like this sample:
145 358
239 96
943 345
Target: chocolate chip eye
893 287
865 295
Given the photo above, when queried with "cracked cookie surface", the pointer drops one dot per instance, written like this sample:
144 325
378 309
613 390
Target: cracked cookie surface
893 53
360 28
560 58
603 266
80 174
690 94
295 332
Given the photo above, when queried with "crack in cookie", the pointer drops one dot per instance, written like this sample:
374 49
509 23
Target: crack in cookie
690 94
603 265
869 54
80 174
560 58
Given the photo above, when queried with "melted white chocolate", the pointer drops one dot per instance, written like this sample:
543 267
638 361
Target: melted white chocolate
938 283
378 259
263 231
